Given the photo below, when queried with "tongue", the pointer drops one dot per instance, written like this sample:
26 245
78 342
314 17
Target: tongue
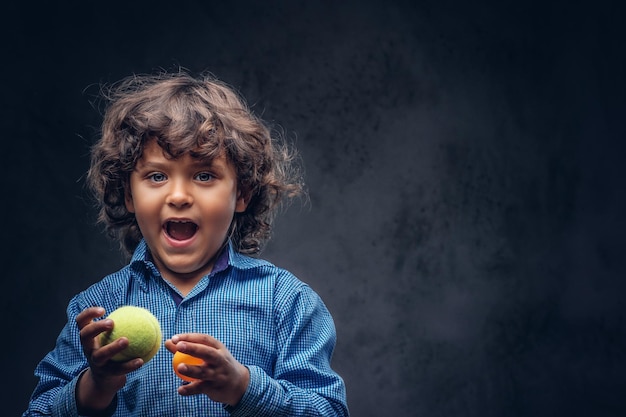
181 231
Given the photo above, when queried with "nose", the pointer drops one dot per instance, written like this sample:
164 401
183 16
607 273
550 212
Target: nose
179 195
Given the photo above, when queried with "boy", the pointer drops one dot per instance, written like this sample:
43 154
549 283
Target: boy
189 181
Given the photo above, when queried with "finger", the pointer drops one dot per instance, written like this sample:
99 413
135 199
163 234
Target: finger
93 329
117 368
191 371
169 345
200 338
128 366
106 353
87 315
209 354
191 388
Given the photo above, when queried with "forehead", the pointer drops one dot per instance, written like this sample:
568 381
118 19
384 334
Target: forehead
154 153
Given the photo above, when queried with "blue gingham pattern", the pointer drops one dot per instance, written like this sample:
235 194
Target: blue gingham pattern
270 321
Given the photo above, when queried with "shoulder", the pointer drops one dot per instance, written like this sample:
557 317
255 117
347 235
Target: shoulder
265 270
288 290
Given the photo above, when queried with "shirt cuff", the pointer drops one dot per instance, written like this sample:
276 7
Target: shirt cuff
65 402
255 400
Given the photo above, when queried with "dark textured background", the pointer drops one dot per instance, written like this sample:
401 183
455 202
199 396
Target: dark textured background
465 167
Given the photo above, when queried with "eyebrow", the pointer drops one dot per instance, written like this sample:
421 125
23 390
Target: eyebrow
213 164
143 164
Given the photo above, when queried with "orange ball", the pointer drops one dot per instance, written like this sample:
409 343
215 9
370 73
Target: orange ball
180 357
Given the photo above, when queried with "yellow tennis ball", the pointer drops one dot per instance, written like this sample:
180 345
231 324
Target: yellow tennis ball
140 327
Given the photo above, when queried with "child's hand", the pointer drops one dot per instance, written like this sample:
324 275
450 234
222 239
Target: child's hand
105 374
222 377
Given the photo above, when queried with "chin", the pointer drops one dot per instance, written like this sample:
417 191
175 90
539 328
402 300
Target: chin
187 269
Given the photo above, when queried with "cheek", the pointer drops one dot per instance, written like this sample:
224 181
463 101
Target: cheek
145 210
221 210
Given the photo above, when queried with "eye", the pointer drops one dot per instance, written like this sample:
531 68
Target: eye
157 177
204 176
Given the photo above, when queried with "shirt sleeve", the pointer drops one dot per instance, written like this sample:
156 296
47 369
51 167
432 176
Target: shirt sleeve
59 372
303 383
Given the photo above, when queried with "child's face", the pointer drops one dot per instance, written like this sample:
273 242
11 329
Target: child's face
184 208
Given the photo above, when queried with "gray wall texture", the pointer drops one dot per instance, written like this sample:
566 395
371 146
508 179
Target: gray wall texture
465 224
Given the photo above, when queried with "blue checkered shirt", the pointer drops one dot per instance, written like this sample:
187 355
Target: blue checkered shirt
269 320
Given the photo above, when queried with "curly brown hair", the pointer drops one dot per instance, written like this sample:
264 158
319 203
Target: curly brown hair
204 117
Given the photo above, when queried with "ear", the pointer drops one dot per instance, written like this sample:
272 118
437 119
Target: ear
243 199
128 200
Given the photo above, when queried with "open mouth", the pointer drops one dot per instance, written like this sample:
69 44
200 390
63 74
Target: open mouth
180 229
